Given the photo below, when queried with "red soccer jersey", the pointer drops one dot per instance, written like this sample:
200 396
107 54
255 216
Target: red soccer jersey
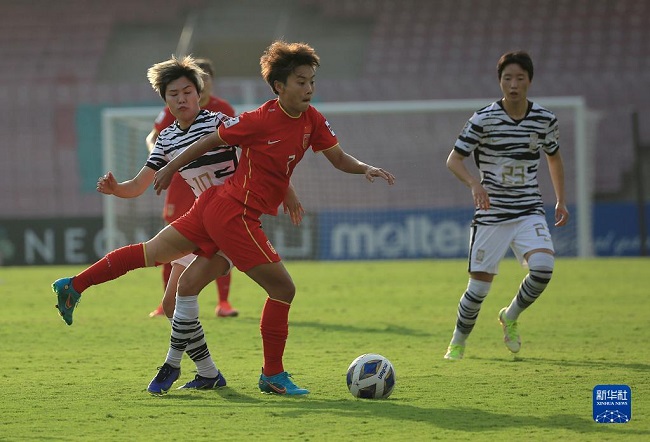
216 104
272 143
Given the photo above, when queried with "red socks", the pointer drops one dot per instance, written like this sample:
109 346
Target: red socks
111 266
223 287
274 326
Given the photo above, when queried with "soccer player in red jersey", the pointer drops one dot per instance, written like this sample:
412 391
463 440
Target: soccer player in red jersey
179 197
273 139
226 219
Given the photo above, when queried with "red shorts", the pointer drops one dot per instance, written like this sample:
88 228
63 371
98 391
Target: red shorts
179 197
219 222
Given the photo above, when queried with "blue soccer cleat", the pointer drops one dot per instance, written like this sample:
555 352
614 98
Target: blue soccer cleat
67 298
203 383
280 384
163 381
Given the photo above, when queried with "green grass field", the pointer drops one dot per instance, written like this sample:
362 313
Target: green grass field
88 381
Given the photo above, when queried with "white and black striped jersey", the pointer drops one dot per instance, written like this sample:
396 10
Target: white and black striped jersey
507 154
210 169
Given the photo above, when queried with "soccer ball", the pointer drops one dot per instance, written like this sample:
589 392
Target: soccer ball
371 376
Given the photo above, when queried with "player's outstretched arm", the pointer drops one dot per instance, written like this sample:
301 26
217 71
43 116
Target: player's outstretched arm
136 186
347 163
164 176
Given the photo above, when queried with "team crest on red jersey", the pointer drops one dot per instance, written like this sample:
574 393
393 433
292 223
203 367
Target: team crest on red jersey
306 137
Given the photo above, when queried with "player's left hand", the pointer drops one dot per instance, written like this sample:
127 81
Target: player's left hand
561 215
292 206
373 172
162 178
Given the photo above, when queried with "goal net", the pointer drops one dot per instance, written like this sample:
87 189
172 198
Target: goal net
426 214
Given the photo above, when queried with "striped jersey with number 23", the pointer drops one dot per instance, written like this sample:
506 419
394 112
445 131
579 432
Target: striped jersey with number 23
507 154
210 169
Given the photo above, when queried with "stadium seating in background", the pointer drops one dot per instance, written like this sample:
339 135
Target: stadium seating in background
53 53
448 49
50 56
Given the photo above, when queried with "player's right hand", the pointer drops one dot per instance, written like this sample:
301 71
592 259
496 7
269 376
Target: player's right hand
107 184
162 178
481 197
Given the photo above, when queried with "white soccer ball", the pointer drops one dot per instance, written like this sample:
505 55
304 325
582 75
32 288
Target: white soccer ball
371 376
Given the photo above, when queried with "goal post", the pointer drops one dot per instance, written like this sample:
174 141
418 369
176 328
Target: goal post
124 152
424 215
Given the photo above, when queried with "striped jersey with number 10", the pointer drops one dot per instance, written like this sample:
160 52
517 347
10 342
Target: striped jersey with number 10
507 154
210 169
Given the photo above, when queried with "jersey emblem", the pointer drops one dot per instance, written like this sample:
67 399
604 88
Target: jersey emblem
330 128
273 141
305 141
228 121
533 141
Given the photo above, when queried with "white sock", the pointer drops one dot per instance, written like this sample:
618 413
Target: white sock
184 324
197 349
468 309
540 271
188 337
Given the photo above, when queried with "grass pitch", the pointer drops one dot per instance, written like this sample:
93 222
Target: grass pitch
88 381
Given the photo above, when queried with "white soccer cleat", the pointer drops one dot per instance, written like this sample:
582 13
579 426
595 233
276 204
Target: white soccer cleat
455 352
510 332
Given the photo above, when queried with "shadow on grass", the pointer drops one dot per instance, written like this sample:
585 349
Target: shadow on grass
228 394
462 419
385 328
637 366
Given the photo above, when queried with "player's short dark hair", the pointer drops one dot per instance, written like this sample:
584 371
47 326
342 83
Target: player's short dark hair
519 57
163 73
281 58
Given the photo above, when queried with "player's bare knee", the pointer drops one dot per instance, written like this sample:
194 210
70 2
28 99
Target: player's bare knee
190 284
289 290
168 306
284 292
